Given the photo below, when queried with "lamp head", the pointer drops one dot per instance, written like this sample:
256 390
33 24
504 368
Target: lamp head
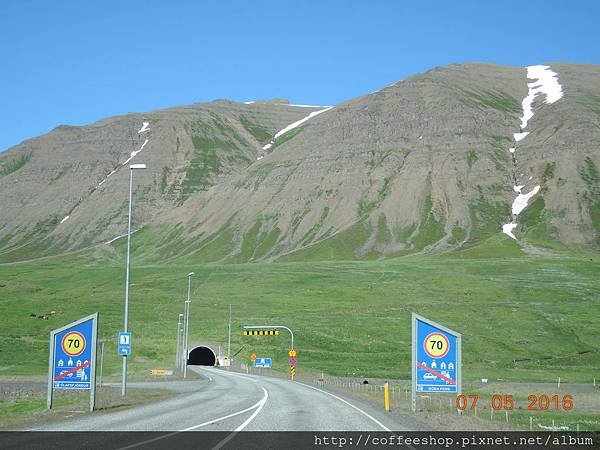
137 166
190 274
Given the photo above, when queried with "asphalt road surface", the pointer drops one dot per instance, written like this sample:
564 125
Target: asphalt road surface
229 401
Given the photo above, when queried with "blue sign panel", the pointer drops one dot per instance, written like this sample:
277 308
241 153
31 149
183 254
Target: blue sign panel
263 362
124 347
72 363
437 352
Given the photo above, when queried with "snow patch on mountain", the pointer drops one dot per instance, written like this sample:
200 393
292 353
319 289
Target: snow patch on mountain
144 127
520 136
310 106
508 228
520 203
295 124
545 83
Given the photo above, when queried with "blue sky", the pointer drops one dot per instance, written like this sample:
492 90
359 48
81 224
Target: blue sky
67 62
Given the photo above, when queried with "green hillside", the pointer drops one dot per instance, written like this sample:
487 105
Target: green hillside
522 317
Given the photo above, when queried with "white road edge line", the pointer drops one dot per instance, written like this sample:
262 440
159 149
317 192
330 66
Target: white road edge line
349 404
260 404
263 402
245 424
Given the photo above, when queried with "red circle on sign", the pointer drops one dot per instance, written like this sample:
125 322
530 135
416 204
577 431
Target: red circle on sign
445 344
64 341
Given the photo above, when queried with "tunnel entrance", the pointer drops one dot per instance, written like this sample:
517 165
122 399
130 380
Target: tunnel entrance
201 356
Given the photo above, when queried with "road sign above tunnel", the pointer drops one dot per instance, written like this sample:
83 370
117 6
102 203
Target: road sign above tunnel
261 332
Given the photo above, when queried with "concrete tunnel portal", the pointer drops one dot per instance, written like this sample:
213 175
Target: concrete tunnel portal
201 356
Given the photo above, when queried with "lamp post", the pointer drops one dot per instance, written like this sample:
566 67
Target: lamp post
229 337
180 364
187 324
132 167
177 360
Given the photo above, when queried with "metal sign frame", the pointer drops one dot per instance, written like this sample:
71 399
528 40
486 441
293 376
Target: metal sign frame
274 327
93 343
458 336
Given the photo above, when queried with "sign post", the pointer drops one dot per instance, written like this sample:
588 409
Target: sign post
436 358
72 358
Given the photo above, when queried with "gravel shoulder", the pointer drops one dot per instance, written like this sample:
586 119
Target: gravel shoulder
23 402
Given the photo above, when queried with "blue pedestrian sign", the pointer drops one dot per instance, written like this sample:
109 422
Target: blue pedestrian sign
124 347
263 362
436 361
73 356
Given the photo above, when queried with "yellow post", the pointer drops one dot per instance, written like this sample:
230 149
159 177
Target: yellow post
386 397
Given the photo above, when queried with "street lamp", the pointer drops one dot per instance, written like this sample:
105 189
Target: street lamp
132 167
177 361
187 324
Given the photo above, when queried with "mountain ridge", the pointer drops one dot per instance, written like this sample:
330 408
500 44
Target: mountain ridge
423 164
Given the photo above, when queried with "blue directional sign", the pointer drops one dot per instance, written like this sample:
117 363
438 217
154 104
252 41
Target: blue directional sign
263 362
436 357
124 347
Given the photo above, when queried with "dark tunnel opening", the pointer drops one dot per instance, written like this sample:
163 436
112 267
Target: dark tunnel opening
201 356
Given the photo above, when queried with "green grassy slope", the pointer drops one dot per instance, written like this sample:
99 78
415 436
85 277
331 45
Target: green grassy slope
522 318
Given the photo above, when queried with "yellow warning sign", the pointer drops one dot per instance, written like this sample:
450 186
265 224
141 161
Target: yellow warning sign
163 372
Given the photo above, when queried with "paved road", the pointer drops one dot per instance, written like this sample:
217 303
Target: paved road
228 401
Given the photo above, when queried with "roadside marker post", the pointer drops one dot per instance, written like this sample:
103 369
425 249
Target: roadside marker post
386 397
72 358
436 358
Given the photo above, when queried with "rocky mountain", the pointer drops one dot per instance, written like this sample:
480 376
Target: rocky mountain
68 189
440 161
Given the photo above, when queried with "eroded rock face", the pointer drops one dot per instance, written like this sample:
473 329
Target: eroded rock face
422 165
64 173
